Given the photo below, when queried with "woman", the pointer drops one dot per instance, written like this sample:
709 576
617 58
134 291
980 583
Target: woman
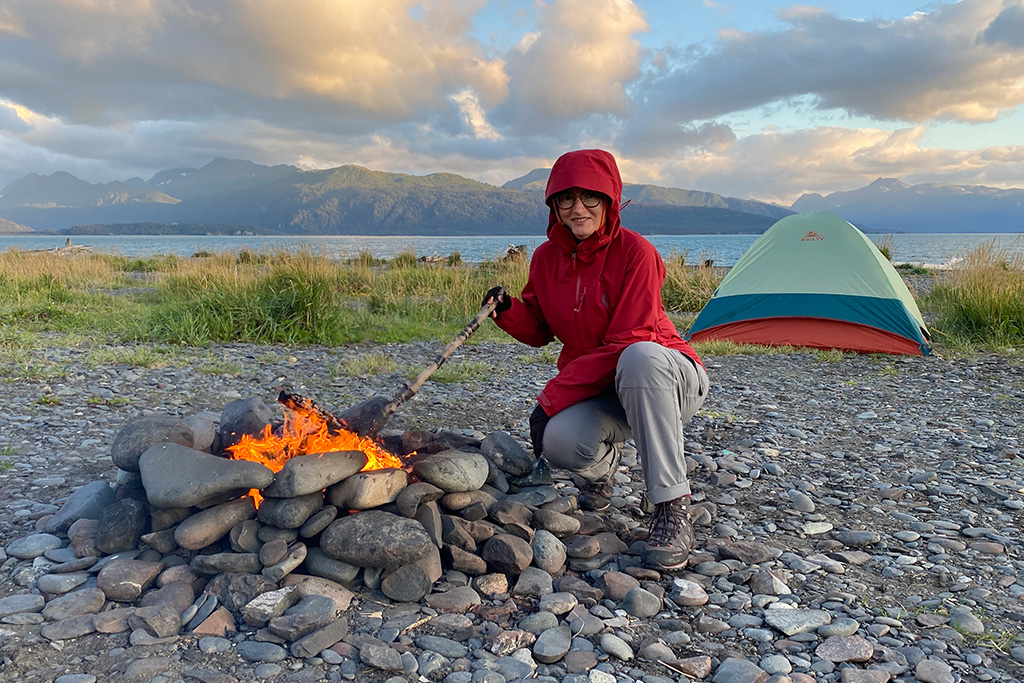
624 370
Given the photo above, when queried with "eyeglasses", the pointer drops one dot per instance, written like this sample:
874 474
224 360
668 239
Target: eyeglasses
590 200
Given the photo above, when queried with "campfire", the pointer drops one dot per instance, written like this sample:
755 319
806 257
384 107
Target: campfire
307 430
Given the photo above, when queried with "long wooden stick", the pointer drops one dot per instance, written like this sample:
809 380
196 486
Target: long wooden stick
410 389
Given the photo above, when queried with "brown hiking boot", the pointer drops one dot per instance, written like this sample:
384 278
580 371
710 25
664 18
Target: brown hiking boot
671 539
596 495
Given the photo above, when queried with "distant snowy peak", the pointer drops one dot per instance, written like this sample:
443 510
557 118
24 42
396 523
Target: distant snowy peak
890 204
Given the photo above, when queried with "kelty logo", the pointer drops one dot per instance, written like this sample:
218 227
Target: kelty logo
811 236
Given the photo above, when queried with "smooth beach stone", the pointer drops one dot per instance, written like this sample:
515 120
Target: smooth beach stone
142 433
375 538
244 417
367 490
120 526
289 513
305 474
86 502
32 546
452 471
21 603
207 526
175 476
507 454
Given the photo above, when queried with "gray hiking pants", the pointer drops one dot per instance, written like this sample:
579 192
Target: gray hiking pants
657 390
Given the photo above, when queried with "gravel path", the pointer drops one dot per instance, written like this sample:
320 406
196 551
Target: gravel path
888 491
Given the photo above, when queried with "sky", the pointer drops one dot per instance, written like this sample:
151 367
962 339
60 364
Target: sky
746 98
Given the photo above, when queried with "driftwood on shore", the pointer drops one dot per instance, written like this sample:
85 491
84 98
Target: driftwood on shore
67 249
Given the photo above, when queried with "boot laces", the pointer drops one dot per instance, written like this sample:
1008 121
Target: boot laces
670 521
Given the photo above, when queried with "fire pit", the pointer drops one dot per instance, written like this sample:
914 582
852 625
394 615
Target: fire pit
248 520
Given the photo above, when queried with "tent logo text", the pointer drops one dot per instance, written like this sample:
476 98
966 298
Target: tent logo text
811 236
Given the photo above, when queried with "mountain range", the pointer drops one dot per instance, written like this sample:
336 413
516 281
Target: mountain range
230 196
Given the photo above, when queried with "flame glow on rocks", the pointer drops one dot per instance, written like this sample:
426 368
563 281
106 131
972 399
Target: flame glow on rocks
306 432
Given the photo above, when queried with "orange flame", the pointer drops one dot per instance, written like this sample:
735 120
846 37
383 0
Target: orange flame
306 432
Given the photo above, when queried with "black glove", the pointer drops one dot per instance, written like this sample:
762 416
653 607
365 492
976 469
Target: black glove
504 302
538 423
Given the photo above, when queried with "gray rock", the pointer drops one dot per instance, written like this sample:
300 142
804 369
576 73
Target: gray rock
445 647
75 678
533 582
408 583
86 502
59 584
210 525
933 671
560 525
253 651
234 591
318 522
507 454
289 513
452 471
456 601
159 621
641 603
367 490
380 657
175 476
319 563
20 604
963 620
32 546
121 526
794 621
124 580
244 417
735 670
261 609
204 430
375 538
217 563
616 647
84 601
309 614
857 539
290 562
549 552
414 495
142 433
314 472
507 554
552 644
72 627
321 639
845 649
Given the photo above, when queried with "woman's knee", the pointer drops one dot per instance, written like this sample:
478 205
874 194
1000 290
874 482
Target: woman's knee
641 361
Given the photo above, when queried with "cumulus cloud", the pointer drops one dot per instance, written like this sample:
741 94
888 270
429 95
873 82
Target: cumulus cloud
578 64
777 166
923 67
386 59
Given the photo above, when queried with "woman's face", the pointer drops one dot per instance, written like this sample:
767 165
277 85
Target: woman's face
582 220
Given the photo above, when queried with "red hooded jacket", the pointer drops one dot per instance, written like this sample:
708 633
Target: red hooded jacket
597 296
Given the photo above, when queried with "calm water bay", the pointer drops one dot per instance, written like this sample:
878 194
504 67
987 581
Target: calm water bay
932 249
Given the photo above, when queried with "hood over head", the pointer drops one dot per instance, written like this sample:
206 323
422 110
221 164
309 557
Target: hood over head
588 169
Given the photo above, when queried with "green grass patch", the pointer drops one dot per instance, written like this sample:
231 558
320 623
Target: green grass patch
463 372
364 365
48 400
980 303
132 356
724 347
99 401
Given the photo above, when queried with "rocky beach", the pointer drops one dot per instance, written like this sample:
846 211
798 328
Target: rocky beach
859 520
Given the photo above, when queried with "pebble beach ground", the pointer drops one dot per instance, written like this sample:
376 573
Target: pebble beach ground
878 497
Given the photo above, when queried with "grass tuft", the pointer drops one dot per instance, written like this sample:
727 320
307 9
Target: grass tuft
981 302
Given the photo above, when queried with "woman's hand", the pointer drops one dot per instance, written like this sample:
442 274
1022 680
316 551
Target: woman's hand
497 294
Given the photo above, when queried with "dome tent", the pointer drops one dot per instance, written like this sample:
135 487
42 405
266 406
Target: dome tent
814 280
